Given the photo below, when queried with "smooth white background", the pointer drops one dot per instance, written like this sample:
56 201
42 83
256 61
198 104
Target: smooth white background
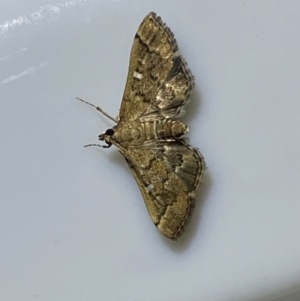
73 225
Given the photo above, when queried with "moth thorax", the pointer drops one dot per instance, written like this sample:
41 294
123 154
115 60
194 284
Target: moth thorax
173 128
135 134
127 134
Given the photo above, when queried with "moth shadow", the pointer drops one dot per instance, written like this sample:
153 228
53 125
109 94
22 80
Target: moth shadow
116 158
113 156
192 228
193 107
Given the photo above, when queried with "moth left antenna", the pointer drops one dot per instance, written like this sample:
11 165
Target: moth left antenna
98 109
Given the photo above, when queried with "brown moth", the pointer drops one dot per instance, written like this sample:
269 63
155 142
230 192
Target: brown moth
147 133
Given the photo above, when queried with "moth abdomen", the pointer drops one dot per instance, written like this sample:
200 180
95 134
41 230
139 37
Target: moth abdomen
169 128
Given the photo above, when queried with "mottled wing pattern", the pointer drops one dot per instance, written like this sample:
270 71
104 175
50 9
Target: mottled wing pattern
159 82
168 174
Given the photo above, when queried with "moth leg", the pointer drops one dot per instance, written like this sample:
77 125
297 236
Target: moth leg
98 109
99 145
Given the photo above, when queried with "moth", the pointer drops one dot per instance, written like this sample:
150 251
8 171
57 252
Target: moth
148 133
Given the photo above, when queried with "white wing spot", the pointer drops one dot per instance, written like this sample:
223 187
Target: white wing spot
158 201
154 130
177 169
149 187
138 75
159 198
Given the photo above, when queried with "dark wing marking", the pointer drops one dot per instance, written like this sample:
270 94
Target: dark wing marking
168 175
173 94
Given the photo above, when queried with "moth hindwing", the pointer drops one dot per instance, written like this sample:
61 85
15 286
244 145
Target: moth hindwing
148 134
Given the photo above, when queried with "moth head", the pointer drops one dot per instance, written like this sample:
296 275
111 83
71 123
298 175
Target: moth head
107 137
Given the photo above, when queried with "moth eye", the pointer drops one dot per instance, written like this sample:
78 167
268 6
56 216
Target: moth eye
109 132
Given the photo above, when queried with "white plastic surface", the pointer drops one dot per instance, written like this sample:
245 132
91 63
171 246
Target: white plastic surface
73 225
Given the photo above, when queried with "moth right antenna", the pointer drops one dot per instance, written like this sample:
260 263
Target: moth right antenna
98 109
